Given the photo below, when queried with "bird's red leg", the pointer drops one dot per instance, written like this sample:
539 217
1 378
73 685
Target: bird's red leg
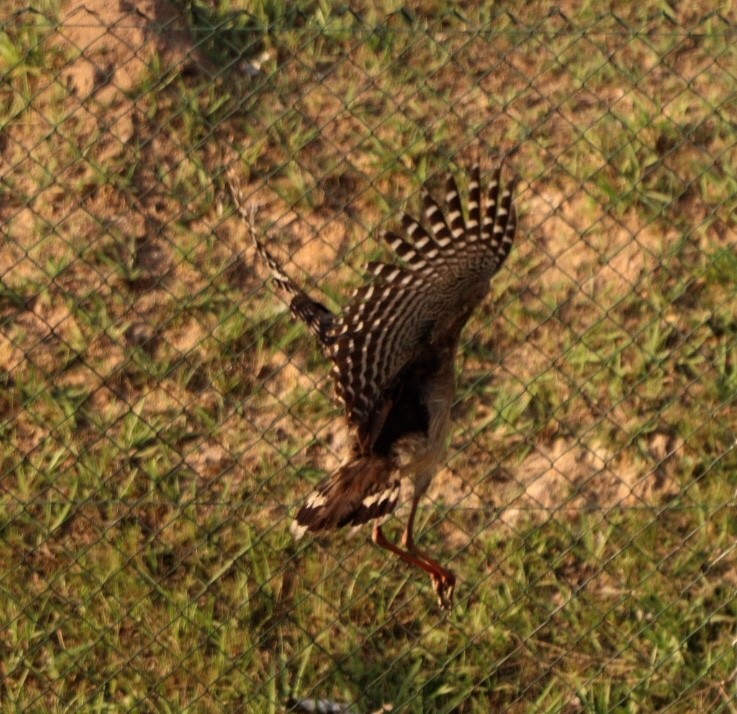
443 580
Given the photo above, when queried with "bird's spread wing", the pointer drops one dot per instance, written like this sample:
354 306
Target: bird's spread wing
392 321
321 321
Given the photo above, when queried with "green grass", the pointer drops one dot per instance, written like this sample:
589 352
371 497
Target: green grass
161 416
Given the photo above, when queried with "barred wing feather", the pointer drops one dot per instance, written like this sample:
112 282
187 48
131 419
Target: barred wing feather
446 263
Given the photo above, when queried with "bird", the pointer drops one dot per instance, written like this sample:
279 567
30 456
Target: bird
393 351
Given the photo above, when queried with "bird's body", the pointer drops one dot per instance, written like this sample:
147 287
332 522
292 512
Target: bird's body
393 351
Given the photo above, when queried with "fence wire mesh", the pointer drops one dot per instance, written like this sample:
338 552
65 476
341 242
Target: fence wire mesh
162 416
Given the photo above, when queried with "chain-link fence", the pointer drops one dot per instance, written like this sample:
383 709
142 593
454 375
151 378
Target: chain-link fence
162 416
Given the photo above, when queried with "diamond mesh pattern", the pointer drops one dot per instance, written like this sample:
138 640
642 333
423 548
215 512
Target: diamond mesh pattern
162 414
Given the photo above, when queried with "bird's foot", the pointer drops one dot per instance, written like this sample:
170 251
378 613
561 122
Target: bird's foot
444 582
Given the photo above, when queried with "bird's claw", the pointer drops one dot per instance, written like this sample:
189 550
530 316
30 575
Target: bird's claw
444 585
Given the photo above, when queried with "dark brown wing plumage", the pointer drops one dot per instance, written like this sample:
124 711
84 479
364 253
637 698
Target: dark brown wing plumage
445 272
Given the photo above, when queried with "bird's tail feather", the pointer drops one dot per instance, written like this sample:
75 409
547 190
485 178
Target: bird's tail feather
362 490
